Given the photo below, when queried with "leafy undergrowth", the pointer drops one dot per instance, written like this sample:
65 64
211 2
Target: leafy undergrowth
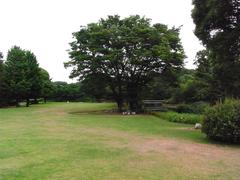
185 118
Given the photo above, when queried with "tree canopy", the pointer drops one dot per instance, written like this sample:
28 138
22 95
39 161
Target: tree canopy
127 52
22 78
218 27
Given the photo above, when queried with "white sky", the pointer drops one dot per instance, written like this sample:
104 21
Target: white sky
45 26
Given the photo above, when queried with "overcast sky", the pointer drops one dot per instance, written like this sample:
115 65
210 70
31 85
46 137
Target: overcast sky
45 26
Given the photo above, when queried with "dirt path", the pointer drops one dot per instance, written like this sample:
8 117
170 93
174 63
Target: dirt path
186 156
189 157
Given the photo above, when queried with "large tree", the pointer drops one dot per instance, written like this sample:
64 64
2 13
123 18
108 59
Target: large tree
22 75
128 52
218 27
15 71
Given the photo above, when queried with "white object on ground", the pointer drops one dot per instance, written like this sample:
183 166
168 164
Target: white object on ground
124 113
198 126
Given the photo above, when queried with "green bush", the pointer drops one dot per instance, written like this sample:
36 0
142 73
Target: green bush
180 117
199 107
195 108
222 122
184 108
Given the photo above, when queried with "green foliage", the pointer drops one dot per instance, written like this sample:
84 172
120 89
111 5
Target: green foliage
16 77
95 87
222 121
188 90
218 27
128 52
21 78
2 83
91 89
63 91
33 75
46 84
162 87
208 89
195 108
199 84
184 108
185 118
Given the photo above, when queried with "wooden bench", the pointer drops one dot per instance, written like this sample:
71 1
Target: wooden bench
153 105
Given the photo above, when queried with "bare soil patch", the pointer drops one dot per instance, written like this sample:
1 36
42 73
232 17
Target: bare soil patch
196 157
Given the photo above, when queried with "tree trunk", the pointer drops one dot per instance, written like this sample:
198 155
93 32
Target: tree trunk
45 100
118 97
35 101
27 102
17 102
133 105
120 105
134 98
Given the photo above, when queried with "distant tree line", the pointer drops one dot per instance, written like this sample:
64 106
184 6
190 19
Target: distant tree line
80 91
22 80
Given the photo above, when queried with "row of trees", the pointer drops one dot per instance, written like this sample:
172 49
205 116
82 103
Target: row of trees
21 78
217 75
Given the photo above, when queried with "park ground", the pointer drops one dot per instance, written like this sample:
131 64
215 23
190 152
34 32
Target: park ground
82 141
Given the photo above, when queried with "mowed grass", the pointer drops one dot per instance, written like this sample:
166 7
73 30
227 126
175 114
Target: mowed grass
72 141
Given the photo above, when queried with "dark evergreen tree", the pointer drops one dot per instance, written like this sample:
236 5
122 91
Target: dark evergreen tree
22 75
16 78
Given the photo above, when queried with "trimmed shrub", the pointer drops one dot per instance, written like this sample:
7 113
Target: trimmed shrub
180 117
222 122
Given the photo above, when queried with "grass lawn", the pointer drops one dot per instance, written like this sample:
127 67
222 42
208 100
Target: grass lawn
72 141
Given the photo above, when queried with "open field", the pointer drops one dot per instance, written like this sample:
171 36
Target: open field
67 141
